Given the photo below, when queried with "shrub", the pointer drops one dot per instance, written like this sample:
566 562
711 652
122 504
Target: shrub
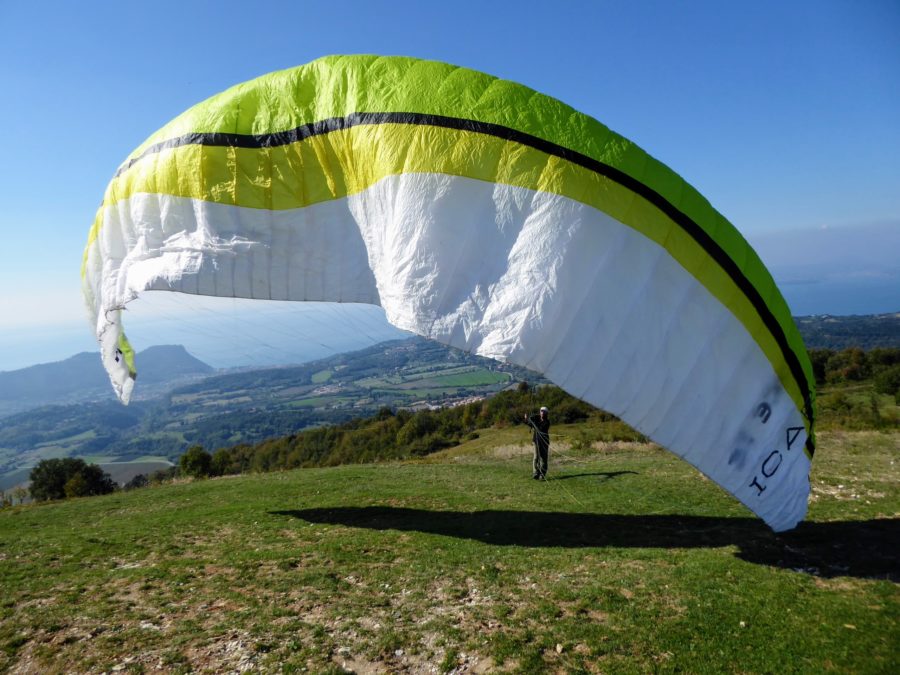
220 463
196 462
848 365
888 382
819 359
163 475
138 481
583 440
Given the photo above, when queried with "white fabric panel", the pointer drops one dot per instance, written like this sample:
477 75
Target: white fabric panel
311 254
532 278
599 309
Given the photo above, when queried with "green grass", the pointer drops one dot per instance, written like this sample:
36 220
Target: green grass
626 561
435 378
469 379
148 458
69 440
99 459
322 376
856 406
46 451
321 401
417 394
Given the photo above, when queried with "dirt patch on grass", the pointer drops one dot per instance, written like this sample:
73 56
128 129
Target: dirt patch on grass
234 652
511 451
845 492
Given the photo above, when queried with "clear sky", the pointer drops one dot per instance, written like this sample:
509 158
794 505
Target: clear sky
785 115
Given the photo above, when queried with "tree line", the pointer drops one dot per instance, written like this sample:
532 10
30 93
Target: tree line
840 332
853 385
881 365
388 435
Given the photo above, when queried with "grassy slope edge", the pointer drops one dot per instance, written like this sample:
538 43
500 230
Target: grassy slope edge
628 560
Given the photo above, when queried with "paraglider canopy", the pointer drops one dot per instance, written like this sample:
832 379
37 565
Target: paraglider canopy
485 216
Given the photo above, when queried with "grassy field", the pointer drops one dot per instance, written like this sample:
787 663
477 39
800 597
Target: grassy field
627 560
469 379
322 376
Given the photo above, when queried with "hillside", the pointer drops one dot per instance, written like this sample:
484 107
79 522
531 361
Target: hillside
250 406
841 332
627 560
82 378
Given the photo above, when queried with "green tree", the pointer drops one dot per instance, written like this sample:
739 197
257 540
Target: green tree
76 486
883 357
97 481
417 427
384 413
49 477
220 463
848 365
819 359
68 477
196 462
888 382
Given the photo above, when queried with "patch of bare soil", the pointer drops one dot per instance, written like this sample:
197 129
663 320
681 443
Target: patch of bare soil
231 653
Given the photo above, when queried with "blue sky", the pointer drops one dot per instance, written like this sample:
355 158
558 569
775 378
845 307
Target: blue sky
785 115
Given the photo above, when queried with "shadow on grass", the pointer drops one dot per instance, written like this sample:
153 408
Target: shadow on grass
604 475
869 549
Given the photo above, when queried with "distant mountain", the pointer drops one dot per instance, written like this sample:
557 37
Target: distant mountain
840 332
48 381
82 378
165 363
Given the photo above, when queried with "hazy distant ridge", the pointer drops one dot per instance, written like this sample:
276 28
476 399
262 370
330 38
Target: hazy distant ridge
51 380
82 377
841 332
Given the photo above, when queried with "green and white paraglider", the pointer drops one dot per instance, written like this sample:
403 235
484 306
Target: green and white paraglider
486 216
